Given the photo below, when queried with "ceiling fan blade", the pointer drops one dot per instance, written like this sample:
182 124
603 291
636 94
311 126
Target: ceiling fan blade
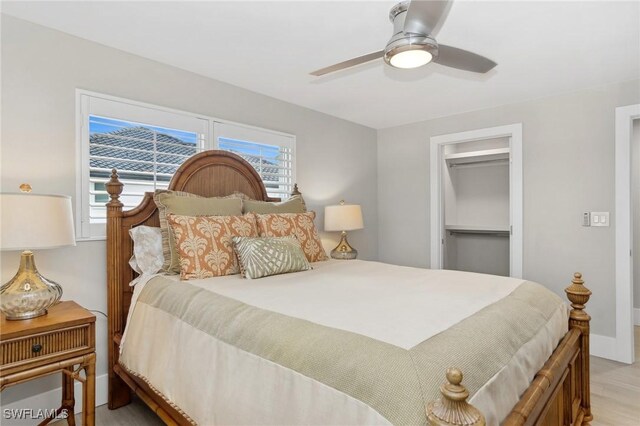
426 16
350 63
463 59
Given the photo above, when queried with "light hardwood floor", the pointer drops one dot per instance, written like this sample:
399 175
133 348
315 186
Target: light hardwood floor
615 397
615 390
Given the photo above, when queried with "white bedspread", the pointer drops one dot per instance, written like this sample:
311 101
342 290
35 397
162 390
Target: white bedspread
377 300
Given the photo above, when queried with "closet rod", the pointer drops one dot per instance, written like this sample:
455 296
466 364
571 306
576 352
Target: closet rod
478 232
473 163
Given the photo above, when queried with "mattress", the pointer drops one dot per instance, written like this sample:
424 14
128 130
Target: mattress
349 342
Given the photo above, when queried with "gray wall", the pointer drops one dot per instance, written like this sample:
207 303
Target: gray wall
635 191
41 68
568 168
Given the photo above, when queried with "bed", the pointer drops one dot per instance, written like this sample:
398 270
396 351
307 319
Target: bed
341 343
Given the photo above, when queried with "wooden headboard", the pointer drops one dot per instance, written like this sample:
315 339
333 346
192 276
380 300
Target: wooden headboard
208 174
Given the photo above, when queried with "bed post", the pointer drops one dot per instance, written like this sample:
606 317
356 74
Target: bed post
119 393
549 399
579 295
453 409
295 192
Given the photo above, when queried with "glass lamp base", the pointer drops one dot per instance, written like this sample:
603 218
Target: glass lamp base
28 294
26 315
343 250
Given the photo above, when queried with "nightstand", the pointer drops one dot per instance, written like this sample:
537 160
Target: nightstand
61 341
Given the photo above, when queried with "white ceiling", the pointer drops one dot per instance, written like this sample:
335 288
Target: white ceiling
542 48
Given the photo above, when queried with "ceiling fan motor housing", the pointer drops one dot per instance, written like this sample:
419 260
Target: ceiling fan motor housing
401 41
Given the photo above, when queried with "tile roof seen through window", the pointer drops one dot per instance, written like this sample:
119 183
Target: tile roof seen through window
131 151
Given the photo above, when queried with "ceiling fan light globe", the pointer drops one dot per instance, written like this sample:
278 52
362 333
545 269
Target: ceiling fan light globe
410 59
407 51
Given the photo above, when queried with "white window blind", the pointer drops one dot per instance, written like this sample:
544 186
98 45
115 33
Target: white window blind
145 156
146 146
271 154
148 143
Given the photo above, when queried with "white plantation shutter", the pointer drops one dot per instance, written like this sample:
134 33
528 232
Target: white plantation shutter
145 145
271 154
146 158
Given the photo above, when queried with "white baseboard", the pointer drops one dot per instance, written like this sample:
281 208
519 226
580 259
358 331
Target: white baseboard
636 316
51 399
602 346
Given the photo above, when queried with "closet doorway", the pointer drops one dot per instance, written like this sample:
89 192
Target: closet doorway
476 201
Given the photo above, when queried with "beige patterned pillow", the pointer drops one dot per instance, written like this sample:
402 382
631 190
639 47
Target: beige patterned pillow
187 204
295 204
204 243
299 225
266 256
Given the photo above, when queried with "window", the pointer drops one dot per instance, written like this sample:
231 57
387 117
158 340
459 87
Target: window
271 154
146 157
147 144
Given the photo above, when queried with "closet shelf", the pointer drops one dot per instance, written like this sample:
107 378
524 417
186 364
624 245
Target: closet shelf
484 156
470 229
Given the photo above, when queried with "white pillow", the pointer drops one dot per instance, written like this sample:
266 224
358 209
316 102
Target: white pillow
147 256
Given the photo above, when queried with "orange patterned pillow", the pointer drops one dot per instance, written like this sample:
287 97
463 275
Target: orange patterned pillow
204 243
299 225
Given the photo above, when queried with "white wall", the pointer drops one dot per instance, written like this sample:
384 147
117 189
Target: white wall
41 68
568 153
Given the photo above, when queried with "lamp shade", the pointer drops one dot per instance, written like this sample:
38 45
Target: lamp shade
33 221
343 217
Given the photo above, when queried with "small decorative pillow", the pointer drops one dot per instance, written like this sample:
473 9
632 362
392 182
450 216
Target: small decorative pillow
295 204
238 194
187 204
299 225
204 243
266 256
147 256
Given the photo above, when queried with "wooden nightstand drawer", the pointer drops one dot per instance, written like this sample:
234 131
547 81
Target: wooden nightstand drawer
44 346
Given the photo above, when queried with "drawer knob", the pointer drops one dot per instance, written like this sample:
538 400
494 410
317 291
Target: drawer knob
36 348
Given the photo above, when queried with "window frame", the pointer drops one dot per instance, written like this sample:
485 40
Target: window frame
85 231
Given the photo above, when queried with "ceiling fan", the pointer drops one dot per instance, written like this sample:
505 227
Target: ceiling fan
413 44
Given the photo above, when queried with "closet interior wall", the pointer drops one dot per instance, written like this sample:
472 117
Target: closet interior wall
476 206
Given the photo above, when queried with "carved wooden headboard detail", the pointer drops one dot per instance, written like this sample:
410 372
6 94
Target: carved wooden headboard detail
208 174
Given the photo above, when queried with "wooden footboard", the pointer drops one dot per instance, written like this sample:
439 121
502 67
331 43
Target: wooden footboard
559 394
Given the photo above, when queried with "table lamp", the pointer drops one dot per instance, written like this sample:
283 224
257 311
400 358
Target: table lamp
32 221
343 217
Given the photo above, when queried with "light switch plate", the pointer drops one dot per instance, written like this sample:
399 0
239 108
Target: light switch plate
599 218
586 219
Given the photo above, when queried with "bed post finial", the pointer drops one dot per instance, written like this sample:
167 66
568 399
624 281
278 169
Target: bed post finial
295 190
453 409
579 295
114 188
296 193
